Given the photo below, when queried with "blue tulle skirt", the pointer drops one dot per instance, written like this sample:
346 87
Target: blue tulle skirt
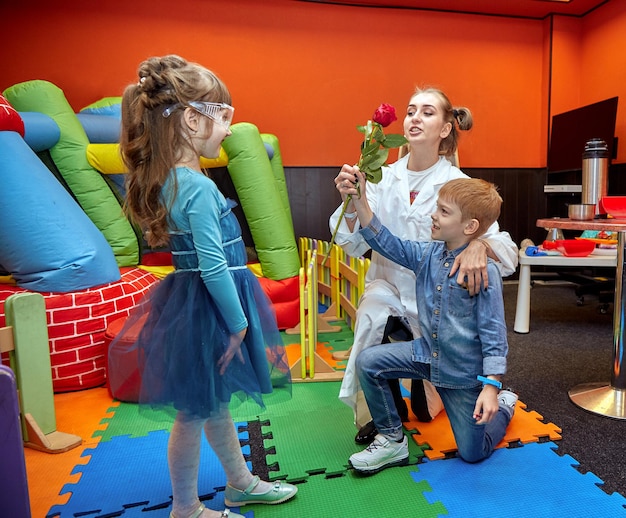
182 338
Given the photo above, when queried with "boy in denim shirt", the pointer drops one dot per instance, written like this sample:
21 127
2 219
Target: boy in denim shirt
464 339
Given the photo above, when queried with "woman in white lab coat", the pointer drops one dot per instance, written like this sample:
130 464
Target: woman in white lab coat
404 200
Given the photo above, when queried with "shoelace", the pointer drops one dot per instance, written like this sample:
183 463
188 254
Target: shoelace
374 445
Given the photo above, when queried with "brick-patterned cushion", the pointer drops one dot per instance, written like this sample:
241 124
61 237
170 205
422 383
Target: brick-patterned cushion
77 322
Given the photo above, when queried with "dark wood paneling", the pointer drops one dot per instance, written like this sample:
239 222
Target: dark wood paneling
313 199
523 200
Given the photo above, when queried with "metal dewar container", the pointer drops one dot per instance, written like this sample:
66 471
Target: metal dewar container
595 173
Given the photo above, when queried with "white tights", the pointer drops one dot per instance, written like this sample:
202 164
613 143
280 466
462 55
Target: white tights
183 454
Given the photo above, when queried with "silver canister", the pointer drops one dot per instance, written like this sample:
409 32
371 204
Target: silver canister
595 173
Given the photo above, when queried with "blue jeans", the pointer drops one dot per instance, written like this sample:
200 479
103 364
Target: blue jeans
376 365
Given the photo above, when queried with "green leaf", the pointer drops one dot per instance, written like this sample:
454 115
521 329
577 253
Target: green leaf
370 149
374 162
361 129
375 176
394 140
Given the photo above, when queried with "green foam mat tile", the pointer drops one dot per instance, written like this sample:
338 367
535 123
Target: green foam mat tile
313 434
390 493
128 420
320 397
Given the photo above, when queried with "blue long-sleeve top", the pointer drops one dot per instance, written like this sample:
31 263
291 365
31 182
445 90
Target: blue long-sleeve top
206 237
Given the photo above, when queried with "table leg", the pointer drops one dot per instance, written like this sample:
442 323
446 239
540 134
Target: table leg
522 308
609 399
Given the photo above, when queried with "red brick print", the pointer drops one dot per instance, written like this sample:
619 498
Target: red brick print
65 385
75 369
97 337
61 300
91 353
77 323
106 308
71 342
70 315
100 362
124 303
63 358
61 330
95 378
90 326
112 292
88 298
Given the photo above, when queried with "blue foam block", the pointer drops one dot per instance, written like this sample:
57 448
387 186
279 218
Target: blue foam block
532 480
131 475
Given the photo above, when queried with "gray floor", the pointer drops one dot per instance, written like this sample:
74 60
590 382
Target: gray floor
568 345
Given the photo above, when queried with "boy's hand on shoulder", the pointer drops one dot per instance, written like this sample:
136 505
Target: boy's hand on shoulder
486 405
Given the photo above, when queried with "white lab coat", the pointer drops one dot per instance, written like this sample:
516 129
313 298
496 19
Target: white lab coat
390 288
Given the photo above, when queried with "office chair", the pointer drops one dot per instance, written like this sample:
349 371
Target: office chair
593 282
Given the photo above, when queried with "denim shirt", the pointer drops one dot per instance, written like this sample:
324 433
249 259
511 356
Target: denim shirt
462 336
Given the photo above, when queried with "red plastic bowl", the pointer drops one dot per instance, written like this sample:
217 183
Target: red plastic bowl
575 247
614 206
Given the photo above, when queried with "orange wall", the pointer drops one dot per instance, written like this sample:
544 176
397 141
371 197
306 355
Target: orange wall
566 64
309 73
589 63
603 63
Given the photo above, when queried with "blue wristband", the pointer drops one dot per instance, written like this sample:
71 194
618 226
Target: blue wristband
489 381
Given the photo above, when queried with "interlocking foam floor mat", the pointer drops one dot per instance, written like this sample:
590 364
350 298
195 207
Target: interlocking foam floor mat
127 473
525 427
78 413
309 439
531 480
389 494
312 434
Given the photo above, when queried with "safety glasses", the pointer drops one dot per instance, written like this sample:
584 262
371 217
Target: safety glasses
221 113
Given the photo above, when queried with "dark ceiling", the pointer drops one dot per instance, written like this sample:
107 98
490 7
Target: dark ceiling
538 9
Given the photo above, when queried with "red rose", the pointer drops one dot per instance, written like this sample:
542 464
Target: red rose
384 115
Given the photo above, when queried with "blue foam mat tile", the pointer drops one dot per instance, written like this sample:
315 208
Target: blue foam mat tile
127 475
138 512
531 480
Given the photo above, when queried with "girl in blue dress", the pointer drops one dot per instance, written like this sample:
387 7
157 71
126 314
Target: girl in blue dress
209 332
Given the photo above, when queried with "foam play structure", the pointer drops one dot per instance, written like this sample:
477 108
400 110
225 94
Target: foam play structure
63 233
14 496
25 339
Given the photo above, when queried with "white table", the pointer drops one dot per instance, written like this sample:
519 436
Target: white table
522 308
605 398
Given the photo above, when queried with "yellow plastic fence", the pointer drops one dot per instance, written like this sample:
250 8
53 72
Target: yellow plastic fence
338 283
340 279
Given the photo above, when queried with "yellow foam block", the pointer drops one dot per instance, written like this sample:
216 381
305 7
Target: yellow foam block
256 269
106 158
7 279
158 271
